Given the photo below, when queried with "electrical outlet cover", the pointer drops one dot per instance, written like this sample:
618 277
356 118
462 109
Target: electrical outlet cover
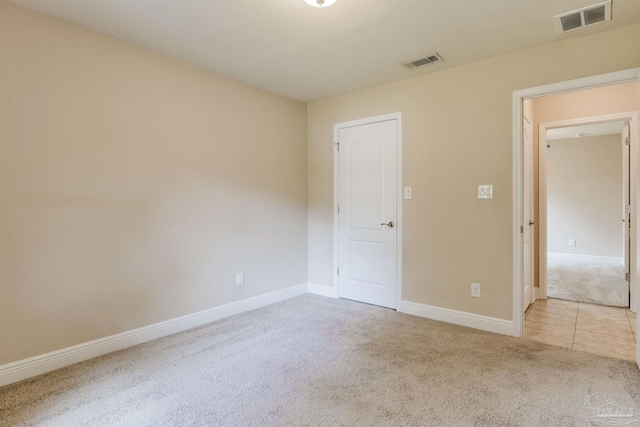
475 290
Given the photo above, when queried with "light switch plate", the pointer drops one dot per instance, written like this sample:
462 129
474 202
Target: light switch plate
407 193
485 191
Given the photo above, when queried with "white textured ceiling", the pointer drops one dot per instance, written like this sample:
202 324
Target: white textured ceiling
306 53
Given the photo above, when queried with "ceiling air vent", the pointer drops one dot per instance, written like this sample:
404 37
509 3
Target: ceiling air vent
584 17
423 61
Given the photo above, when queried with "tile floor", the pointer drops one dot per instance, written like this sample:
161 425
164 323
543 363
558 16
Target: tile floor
598 329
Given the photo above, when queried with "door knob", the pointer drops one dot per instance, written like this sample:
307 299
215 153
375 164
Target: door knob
531 222
389 224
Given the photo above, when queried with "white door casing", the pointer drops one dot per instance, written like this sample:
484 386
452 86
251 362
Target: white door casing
635 188
527 214
367 211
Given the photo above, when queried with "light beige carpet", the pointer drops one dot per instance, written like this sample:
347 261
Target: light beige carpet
595 283
312 361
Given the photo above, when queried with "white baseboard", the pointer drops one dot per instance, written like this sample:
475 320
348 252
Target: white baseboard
322 290
585 258
27 368
462 318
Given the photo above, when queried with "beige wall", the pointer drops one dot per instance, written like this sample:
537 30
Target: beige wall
584 196
133 187
620 98
457 133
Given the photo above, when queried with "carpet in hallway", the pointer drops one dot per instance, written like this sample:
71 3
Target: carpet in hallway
596 283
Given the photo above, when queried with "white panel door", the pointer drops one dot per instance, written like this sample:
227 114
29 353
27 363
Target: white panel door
626 204
367 229
527 214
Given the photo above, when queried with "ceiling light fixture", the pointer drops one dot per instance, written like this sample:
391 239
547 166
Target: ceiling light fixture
320 3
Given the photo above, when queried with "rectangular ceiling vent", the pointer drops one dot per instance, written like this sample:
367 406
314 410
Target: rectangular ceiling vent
423 61
584 17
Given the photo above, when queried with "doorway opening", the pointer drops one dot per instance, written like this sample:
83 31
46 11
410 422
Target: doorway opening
584 216
528 261
584 247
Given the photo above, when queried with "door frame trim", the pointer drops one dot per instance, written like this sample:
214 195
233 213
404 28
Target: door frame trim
399 196
518 97
631 117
